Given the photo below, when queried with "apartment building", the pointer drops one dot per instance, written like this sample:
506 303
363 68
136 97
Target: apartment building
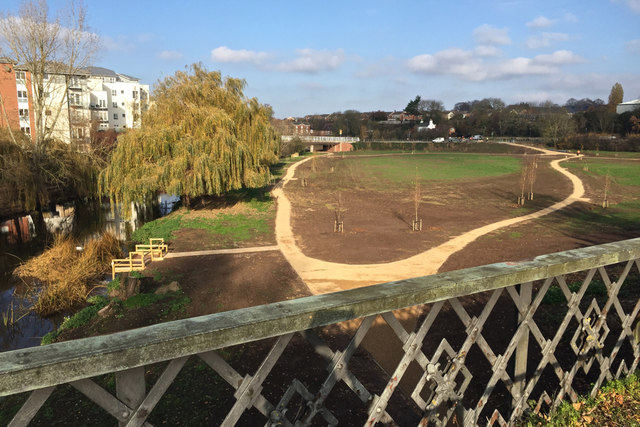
90 100
117 100
15 106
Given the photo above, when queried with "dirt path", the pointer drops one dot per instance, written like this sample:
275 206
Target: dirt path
323 277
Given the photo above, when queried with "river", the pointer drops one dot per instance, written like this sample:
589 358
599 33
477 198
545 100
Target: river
19 326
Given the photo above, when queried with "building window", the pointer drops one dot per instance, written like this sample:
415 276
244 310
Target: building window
26 130
122 104
123 115
103 103
122 91
23 113
135 94
114 92
115 116
22 96
74 99
115 105
21 75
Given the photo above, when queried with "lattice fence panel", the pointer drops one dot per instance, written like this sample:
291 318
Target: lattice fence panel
474 360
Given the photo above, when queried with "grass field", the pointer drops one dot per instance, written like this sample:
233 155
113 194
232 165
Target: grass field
377 172
622 172
248 219
616 154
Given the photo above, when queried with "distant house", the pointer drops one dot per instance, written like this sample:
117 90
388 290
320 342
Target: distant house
401 116
628 106
396 115
423 128
301 129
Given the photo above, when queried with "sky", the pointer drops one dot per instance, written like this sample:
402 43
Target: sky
325 56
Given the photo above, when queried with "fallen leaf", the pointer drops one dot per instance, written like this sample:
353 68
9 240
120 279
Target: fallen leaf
577 406
587 419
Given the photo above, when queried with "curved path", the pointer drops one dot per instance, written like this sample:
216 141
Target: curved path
323 276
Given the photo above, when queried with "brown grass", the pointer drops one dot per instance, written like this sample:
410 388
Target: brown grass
67 274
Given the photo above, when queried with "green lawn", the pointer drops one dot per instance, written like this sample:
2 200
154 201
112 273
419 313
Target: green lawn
432 167
622 172
253 221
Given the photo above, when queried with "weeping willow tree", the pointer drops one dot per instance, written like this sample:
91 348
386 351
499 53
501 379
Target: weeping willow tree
201 136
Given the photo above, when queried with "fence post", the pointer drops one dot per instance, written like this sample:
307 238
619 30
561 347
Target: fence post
130 388
522 350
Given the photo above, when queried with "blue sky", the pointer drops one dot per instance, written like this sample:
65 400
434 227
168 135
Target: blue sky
324 56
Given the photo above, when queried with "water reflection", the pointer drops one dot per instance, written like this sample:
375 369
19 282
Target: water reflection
26 236
19 326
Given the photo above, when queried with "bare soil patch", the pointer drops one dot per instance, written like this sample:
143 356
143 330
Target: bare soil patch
377 224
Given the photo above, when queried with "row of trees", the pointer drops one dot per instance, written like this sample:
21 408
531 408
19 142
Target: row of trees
489 117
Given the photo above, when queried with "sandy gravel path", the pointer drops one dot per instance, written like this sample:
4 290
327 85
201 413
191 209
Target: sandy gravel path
323 277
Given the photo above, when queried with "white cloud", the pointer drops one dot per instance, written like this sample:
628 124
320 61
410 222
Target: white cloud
540 22
570 17
469 65
224 54
491 36
545 40
145 37
521 67
312 61
633 46
487 51
559 57
118 44
170 55
634 5
459 62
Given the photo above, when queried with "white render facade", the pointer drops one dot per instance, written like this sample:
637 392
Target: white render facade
117 100
98 98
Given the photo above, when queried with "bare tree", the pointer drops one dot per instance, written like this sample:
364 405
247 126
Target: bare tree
49 50
556 126
533 166
607 185
417 198
53 49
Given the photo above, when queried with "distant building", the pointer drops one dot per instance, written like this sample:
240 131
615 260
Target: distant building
91 99
423 128
628 106
301 129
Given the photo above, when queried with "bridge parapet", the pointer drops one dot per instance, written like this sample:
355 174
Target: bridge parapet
321 139
543 330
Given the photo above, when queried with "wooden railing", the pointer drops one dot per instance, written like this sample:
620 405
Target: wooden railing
482 345
156 248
